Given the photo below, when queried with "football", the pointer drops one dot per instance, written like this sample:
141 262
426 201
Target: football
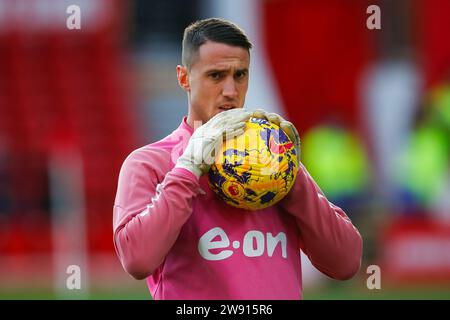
256 169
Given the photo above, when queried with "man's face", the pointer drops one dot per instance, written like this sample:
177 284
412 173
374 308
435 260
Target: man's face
217 80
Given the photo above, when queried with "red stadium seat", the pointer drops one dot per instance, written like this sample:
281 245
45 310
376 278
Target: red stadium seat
57 85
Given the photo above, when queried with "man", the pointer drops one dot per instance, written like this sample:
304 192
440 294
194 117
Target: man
172 230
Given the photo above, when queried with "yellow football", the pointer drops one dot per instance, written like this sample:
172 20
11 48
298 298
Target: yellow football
256 169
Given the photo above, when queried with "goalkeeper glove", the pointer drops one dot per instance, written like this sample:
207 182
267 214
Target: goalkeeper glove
207 140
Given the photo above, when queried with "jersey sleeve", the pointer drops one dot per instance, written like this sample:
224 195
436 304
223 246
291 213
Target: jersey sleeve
148 214
327 236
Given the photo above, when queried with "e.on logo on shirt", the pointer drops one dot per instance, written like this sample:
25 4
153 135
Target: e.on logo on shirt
208 242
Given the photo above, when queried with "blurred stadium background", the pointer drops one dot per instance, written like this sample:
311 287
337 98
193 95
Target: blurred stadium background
372 108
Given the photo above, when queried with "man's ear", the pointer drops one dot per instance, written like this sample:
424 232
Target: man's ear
183 77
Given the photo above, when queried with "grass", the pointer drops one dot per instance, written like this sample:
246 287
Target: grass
332 290
349 291
323 294
392 294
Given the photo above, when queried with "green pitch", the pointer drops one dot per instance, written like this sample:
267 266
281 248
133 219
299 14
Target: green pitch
334 292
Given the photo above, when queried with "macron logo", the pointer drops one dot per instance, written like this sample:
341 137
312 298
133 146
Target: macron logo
254 244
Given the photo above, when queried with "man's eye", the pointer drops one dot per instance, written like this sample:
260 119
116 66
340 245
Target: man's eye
240 74
215 75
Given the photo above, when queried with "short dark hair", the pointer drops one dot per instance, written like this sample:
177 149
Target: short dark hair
212 29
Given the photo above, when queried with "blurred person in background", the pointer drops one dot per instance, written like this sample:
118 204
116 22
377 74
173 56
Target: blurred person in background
335 156
5 202
169 227
423 166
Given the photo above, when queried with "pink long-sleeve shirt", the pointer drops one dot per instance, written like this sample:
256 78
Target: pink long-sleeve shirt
171 229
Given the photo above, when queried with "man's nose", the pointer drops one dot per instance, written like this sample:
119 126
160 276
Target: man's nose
229 88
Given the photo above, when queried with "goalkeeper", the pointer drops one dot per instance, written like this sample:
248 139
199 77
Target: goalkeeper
172 230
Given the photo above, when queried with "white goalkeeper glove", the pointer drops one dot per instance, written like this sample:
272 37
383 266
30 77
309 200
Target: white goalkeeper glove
207 140
285 125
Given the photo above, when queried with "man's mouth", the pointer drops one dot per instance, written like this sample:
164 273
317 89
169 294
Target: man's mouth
227 107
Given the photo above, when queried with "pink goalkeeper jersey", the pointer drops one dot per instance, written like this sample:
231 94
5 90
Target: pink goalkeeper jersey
170 228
